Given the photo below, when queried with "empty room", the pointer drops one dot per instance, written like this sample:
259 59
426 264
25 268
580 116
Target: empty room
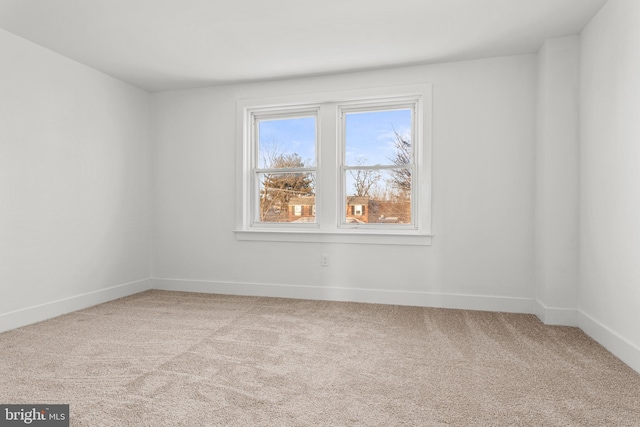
330 213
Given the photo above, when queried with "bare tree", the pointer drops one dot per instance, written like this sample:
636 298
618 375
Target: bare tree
365 180
401 177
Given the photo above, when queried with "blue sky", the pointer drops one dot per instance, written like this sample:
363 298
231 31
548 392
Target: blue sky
369 136
296 135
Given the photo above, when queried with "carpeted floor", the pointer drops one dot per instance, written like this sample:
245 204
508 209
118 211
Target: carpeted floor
180 359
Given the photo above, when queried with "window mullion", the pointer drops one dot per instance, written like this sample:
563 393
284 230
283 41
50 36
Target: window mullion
327 168
377 167
286 170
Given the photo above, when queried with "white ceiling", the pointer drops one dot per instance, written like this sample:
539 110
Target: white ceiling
172 44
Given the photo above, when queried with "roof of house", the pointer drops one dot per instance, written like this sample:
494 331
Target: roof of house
311 200
304 201
357 200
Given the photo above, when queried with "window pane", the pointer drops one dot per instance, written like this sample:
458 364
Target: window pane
287 143
287 197
378 138
378 196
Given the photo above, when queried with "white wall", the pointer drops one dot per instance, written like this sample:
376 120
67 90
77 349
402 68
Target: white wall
610 178
74 184
556 201
76 189
483 184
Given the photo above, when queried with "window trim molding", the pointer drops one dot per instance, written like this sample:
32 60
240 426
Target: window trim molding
370 237
334 232
252 116
401 102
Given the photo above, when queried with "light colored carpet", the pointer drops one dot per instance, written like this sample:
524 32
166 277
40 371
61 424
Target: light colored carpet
181 359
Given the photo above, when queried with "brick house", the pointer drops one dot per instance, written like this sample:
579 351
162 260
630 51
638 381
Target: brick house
301 208
358 208
304 208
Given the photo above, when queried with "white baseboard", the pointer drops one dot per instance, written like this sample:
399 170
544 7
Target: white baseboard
619 346
420 299
612 341
38 313
556 316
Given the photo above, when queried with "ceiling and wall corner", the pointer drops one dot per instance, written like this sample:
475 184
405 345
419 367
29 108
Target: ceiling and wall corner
167 44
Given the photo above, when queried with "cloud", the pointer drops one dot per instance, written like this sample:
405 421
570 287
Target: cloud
390 135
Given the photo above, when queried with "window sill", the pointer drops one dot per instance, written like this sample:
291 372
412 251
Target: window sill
375 237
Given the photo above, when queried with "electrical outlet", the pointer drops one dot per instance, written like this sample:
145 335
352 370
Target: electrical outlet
324 260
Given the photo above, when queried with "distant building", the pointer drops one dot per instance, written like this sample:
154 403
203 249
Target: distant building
358 208
301 209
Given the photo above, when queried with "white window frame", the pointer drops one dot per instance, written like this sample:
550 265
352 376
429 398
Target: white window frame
329 186
411 103
252 117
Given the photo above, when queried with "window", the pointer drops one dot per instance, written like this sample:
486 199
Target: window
285 164
378 163
336 167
